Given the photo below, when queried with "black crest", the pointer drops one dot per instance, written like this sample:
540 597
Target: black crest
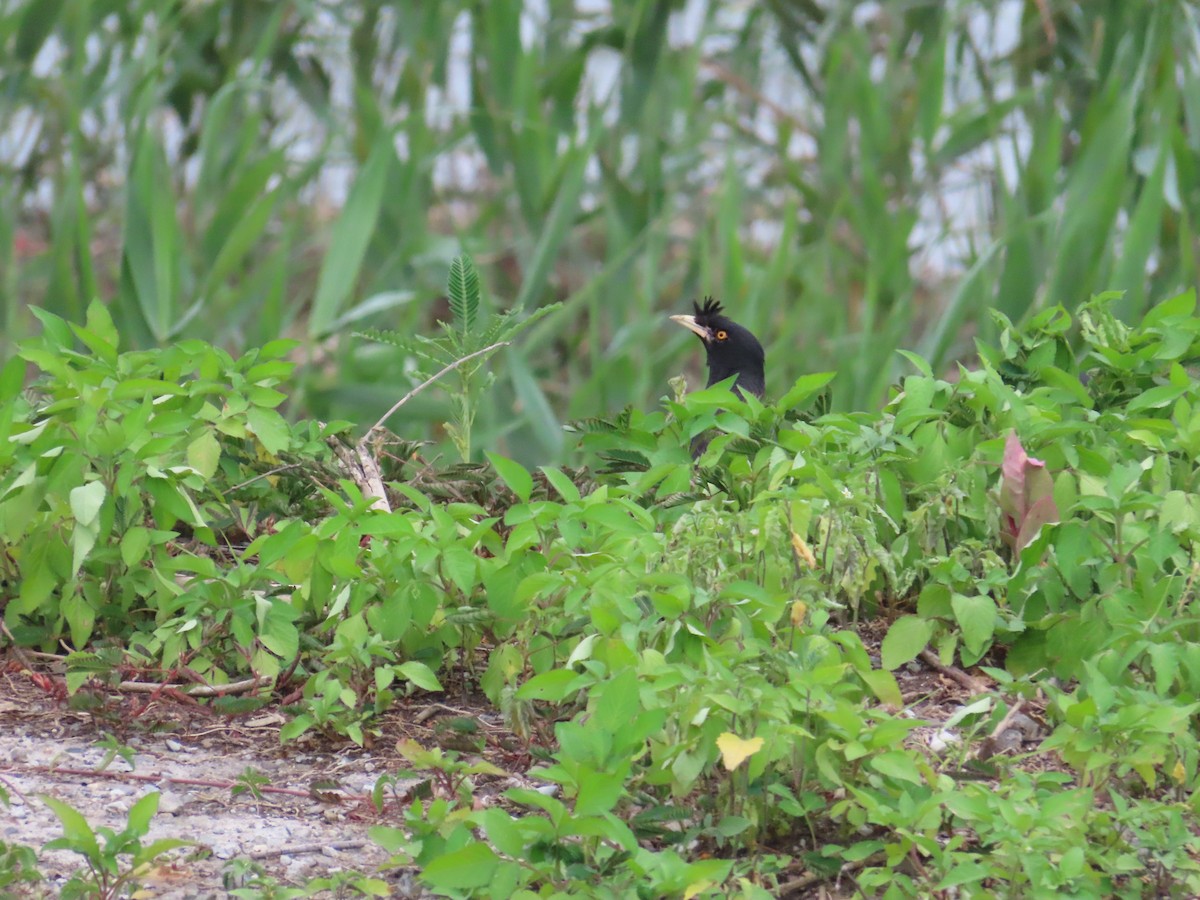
709 310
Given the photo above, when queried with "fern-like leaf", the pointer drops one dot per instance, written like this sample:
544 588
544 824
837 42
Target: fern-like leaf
390 337
591 425
462 287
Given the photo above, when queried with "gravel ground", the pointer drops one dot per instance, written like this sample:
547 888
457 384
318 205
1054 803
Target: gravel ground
310 820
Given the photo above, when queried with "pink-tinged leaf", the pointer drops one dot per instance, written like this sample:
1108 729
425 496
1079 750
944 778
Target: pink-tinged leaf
1008 529
1024 482
1043 512
1038 483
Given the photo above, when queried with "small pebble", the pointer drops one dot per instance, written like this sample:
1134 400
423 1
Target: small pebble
169 803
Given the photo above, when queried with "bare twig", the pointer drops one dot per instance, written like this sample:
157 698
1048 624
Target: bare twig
434 708
930 659
363 470
427 382
297 849
159 778
1047 23
196 690
17 651
797 886
267 474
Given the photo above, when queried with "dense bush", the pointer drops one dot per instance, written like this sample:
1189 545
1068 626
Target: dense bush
676 641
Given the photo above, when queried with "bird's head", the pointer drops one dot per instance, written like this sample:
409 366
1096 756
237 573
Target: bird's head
731 349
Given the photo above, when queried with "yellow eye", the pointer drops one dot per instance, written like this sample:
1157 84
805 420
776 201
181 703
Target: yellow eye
722 335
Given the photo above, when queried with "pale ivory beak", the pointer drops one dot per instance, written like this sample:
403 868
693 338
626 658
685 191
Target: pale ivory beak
689 322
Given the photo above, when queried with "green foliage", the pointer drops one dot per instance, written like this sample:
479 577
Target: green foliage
115 860
110 458
684 649
18 866
468 340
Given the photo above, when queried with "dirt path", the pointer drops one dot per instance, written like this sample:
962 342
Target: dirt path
310 818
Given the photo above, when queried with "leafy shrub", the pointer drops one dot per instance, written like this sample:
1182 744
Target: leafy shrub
673 643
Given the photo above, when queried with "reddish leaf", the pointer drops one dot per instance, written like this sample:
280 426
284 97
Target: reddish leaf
1043 512
1026 494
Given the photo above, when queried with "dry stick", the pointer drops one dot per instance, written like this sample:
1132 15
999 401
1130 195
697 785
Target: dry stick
1047 23
427 382
267 474
362 466
1008 718
958 675
158 778
363 471
19 653
196 690
297 849
434 708
798 885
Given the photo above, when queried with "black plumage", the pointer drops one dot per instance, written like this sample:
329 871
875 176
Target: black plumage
731 349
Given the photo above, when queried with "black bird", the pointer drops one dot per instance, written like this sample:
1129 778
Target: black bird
731 349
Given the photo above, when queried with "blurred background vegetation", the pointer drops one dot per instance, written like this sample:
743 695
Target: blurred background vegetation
849 178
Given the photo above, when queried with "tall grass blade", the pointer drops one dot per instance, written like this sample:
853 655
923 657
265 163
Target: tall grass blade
342 266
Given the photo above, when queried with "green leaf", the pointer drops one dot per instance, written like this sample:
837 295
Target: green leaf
277 631
470 867
976 617
420 675
899 765
86 502
204 454
157 848
598 792
12 378
77 833
918 363
551 686
270 428
134 544
907 636
83 539
503 831
142 812
462 288
515 475
100 335
462 566
883 685
562 483
1181 306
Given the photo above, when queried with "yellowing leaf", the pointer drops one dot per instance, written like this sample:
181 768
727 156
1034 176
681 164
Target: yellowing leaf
204 454
270 428
802 551
86 502
1179 773
736 750
799 611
